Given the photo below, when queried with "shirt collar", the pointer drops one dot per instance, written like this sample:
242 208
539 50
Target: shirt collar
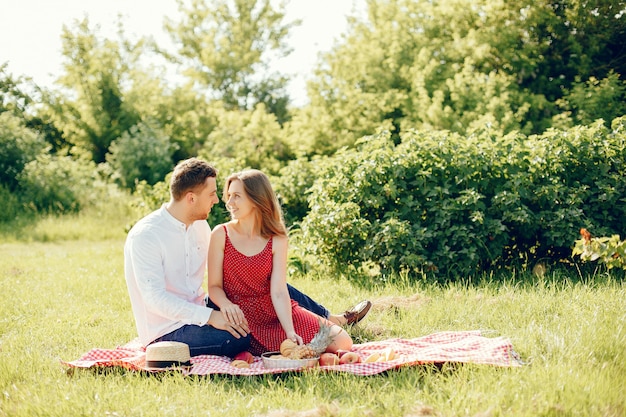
171 219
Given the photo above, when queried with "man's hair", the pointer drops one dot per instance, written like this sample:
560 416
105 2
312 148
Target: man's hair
259 189
190 175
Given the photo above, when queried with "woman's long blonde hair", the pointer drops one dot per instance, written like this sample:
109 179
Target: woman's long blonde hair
269 215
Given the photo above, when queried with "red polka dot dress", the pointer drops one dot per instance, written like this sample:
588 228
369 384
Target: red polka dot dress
247 283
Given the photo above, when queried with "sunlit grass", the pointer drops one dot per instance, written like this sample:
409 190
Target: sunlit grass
61 297
106 220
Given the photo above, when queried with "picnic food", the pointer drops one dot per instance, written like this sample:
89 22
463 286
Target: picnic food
314 348
372 358
388 354
287 347
327 359
385 355
245 356
350 357
238 363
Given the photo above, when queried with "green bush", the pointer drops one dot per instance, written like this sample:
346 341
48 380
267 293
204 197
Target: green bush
292 185
144 153
18 146
57 184
9 205
443 202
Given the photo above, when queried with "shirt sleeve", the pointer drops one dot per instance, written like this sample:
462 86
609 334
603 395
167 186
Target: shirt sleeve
159 297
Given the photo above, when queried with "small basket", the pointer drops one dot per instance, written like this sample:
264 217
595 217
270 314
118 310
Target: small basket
272 363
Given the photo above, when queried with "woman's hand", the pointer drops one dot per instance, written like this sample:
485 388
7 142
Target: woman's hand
233 314
218 321
295 337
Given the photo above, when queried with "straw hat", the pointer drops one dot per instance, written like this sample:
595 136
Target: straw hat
167 355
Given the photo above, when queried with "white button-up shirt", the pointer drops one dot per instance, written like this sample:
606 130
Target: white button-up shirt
164 264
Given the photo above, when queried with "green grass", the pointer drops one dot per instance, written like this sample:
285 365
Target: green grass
64 293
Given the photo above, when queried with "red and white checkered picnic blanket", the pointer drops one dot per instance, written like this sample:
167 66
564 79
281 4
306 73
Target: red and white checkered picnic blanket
457 347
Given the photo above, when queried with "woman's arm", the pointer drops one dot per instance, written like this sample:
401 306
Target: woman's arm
215 270
278 287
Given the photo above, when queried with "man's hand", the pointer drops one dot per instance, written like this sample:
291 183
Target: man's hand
217 320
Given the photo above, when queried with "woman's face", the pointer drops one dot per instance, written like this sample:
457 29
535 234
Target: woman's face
238 204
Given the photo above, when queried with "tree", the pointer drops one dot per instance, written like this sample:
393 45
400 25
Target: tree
18 96
18 146
226 46
251 138
458 65
94 112
12 98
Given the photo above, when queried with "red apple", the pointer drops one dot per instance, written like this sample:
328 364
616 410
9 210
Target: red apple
328 359
342 352
349 357
244 356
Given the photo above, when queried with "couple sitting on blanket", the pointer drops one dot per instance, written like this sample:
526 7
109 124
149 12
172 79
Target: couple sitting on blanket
251 306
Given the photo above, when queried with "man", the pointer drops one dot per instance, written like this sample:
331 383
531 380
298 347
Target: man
165 259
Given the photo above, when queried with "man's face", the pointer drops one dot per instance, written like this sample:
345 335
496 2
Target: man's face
205 199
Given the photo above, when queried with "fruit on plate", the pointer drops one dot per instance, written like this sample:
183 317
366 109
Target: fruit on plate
313 349
372 358
349 357
245 356
328 359
389 354
384 355
238 363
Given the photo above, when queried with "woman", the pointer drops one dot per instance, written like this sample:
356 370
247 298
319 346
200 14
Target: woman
248 269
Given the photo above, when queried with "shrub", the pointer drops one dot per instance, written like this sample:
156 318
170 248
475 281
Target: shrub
56 184
443 202
18 146
9 205
611 251
144 153
292 185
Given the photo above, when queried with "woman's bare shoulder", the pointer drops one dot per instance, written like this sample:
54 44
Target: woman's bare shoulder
219 230
280 241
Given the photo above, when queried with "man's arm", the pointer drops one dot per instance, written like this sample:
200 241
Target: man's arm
146 264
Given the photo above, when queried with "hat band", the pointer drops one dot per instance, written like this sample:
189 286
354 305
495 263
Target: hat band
165 364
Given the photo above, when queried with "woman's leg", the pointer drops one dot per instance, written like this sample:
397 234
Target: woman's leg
341 340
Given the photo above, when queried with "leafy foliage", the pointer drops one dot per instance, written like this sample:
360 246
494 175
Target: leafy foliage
59 184
95 113
253 138
442 202
292 186
9 205
594 99
18 146
142 153
226 45
611 251
457 65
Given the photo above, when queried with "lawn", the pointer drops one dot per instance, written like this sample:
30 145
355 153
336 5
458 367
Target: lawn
63 295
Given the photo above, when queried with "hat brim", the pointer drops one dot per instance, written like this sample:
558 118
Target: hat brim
166 365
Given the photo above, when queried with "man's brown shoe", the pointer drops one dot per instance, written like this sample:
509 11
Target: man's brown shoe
356 313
